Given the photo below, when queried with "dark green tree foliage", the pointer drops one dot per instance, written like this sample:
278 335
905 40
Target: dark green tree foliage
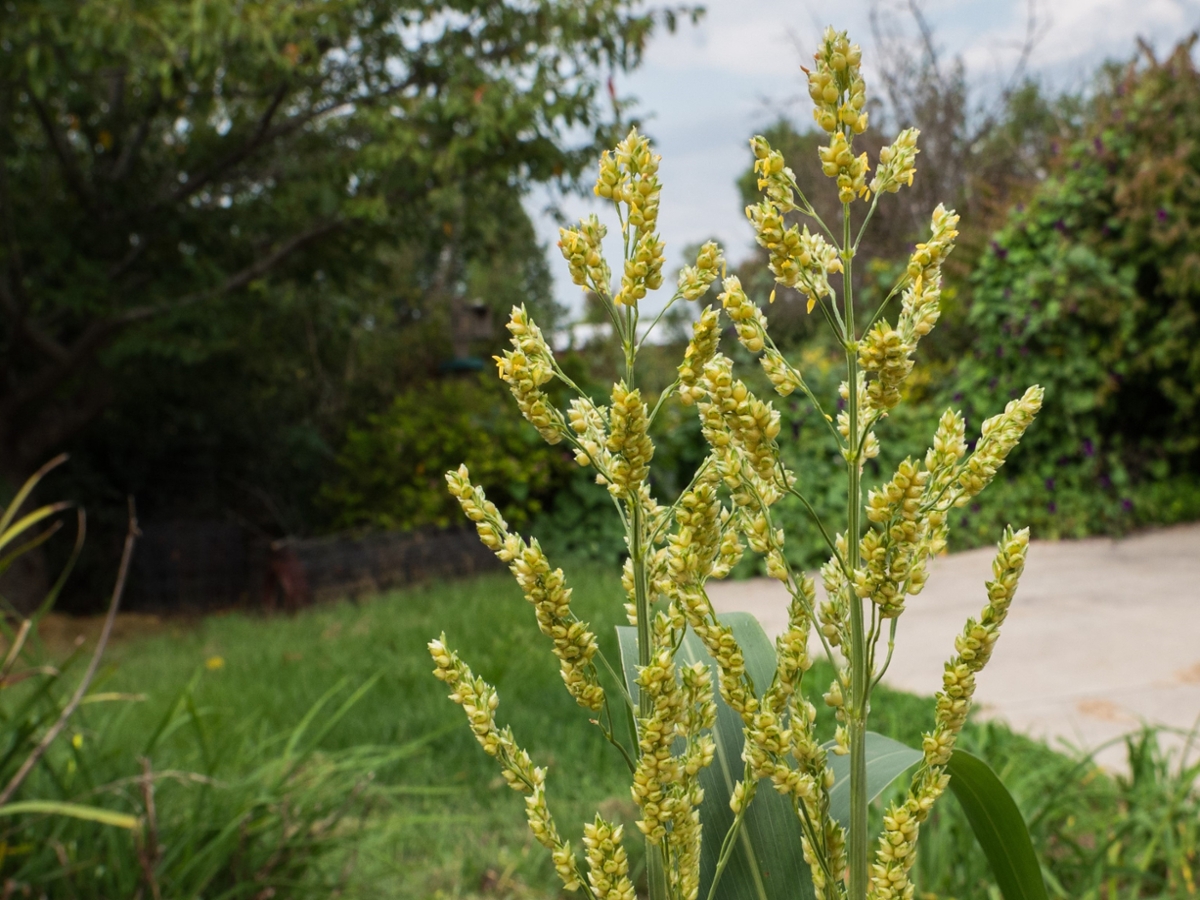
228 229
1092 288
159 154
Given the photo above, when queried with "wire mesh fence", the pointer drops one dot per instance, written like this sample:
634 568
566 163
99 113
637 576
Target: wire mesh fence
201 565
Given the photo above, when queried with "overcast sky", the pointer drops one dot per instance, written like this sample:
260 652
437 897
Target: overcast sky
703 91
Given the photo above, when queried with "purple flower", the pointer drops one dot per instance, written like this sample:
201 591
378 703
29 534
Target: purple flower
1049 484
1088 449
1052 507
1098 144
1104 482
1126 504
1162 215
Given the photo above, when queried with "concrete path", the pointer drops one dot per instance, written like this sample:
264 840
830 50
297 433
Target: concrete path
1102 635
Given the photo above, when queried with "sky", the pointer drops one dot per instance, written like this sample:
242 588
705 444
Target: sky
703 91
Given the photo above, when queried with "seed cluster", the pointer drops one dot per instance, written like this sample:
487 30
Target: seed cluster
608 865
896 163
901 824
706 335
525 368
796 257
734 413
581 247
694 281
839 107
628 441
479 701
574 644
887 352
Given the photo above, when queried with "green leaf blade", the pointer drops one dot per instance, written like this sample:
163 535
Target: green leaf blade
886 761
73 810
999 827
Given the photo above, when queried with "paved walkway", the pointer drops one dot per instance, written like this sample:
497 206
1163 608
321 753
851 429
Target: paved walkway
1102 634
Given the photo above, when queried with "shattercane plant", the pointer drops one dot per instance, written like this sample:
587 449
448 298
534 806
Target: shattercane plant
698 686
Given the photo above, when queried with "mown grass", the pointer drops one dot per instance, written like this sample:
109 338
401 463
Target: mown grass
447 827
438 822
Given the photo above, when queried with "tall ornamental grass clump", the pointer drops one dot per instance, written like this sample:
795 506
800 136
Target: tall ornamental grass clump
738 795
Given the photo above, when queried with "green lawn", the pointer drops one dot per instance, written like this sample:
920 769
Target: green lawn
470 831
225 693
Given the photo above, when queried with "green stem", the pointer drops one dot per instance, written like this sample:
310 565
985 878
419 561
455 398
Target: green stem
662 398
656 872
859 676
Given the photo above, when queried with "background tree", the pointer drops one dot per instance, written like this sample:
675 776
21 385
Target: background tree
160 155
230 230
1093 285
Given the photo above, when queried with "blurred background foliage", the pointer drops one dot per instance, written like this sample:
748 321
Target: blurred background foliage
241 242
231 232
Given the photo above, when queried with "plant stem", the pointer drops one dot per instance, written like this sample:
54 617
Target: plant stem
656 873
856 712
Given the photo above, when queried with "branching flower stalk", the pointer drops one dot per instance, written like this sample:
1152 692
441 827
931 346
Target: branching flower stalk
877 561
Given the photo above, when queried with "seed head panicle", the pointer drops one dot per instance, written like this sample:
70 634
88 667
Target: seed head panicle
997 438
796 257
628 441
694 281
706 335
775 179
643 272
897 163
836 85
973 647
839 97
525 368
479 701
866 417
752 424
582 247
893 557
748 320
608 865
886 352
629 177
574 645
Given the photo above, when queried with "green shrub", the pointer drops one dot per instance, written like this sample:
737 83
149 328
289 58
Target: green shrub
1092 289
390 470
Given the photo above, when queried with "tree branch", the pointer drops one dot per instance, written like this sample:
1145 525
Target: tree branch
234 282
41 340
262 133
70 166
96 334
